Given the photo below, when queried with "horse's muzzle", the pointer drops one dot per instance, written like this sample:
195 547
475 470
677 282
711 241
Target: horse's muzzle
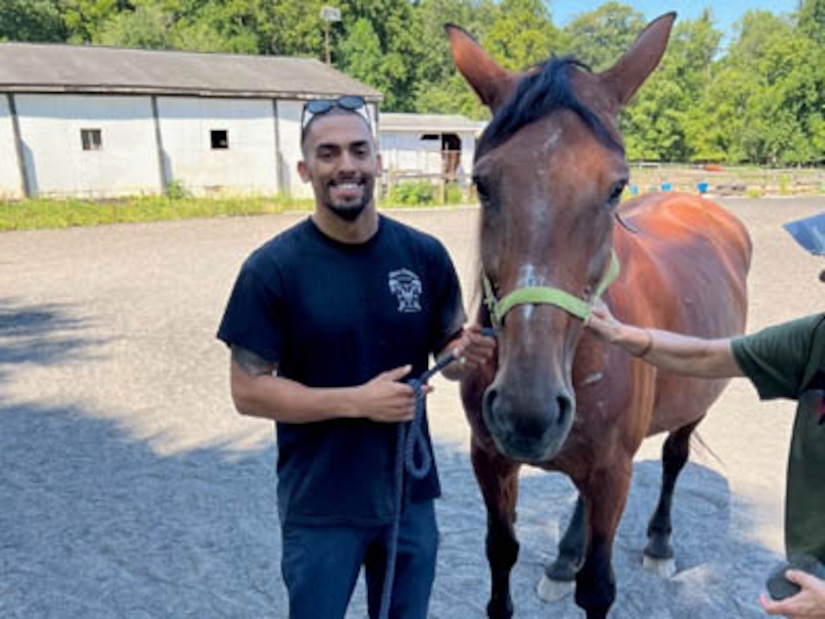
527 429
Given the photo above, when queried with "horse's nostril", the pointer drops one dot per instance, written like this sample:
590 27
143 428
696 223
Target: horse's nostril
565 408
489 399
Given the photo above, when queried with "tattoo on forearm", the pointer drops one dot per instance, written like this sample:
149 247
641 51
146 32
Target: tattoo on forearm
251 363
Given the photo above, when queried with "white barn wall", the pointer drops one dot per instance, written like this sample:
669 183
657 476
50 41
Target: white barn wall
289 136
50 126
247 167
408 152
468 153
11 185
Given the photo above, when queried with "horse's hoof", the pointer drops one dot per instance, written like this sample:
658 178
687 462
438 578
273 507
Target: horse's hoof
664 568
554 590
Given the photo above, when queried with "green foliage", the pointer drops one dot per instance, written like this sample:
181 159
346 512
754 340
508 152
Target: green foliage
600 37
412 193
521 34
176 190
38 214
31 20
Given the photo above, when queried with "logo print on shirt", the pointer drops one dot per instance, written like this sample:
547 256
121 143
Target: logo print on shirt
406 286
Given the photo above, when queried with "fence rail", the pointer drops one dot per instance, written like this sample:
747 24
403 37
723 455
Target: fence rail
720 180
654 177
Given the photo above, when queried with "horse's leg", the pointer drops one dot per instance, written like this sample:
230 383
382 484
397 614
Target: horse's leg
605 494
498 480
658 554
559 576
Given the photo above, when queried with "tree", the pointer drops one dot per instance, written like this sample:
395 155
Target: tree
600 37
776 71
146 27
397 27
811 20
521 34
84 18
439 88
656 124
32 20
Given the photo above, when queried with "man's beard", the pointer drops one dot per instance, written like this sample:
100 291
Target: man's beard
350 211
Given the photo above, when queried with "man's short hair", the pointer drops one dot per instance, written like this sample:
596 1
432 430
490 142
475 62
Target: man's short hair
348 104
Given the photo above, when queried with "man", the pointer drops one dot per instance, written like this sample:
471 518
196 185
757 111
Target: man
326 322
783 361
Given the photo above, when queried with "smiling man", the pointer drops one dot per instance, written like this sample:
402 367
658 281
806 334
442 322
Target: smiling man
325 323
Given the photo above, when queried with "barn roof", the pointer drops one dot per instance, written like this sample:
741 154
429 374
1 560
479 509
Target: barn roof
433 123
28 67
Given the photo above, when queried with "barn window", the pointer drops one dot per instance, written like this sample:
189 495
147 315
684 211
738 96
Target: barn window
91 139
219 138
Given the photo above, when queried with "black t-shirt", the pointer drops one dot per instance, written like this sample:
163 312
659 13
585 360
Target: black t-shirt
335 315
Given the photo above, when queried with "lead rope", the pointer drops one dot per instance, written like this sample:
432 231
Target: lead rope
409 441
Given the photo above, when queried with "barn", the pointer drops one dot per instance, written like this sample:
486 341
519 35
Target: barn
428 145
93 122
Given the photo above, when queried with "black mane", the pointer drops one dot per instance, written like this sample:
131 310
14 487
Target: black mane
537 95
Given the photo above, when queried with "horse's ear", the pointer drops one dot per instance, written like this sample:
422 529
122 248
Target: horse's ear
631 70
491 82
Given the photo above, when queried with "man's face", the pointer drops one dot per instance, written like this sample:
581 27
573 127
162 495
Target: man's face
341 163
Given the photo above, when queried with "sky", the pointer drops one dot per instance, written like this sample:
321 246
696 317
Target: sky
725 13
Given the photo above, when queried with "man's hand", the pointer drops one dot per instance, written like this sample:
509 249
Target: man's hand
385 399
472 349
809 603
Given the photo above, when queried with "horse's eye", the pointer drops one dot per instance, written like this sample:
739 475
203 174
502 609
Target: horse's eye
616 193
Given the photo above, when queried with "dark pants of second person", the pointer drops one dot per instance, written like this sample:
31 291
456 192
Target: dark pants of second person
320 566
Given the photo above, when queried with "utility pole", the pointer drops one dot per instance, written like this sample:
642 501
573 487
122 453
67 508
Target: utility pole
329 14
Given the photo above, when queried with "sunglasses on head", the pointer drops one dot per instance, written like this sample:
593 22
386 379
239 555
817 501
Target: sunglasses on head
318 107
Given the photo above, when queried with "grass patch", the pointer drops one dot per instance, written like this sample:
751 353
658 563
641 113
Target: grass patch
39 214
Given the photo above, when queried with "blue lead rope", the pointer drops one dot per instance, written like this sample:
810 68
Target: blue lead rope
409 441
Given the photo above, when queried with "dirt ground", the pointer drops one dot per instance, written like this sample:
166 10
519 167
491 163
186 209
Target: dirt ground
130 488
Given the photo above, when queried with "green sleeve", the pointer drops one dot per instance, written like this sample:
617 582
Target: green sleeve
775 358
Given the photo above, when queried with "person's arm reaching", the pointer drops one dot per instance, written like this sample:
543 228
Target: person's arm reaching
681 354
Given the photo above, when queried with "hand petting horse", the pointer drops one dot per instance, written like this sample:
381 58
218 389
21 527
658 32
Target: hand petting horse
550 170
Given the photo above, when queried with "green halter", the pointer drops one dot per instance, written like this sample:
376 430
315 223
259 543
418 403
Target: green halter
546 295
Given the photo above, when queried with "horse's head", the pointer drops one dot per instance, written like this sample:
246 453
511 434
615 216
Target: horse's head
550 169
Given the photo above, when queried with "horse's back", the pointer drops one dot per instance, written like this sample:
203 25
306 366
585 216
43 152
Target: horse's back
674 217
693 258
685 270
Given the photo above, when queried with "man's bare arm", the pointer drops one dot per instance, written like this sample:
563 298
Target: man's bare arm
258 392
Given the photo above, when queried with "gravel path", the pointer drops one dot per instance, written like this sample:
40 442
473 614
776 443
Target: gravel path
130 488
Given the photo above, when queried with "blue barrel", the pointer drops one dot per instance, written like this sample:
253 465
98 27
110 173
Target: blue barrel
634 190
702 187
666 187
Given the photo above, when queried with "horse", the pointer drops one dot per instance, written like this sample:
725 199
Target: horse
550 171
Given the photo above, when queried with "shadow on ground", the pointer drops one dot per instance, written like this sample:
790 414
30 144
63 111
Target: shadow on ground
42 334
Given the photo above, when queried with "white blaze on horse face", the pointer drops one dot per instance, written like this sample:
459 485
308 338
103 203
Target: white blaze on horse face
528 278
551 142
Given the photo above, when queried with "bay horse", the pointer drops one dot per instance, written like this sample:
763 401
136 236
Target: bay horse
550 171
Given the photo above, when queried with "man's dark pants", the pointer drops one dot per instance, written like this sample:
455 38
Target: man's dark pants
320 566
